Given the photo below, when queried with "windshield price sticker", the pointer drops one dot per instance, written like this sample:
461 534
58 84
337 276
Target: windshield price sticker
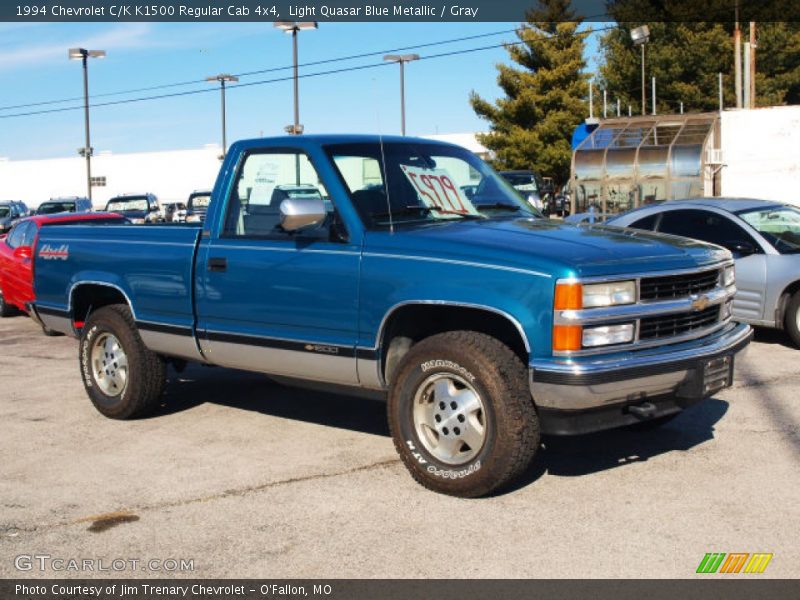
438 191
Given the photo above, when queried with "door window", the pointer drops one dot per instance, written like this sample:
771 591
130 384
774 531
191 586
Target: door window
705 226
14 239
265 180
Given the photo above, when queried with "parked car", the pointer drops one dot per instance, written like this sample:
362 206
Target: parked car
174 212
18 248
65 205
10 212
137 208
483 323
764 238
528 184
588 218
197 206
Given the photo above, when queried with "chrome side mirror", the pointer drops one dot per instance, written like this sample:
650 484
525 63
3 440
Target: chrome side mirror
299 213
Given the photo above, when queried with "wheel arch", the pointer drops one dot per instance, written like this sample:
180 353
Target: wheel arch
419 319
88 296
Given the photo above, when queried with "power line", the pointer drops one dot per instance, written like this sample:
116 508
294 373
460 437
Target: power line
261 71
276 80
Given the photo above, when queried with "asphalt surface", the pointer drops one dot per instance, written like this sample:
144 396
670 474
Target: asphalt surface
248 478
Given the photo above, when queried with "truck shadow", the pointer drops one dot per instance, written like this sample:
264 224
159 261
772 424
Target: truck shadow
766 335
559 456
586 454
255 392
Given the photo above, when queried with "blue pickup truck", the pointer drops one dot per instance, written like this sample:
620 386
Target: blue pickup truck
362 261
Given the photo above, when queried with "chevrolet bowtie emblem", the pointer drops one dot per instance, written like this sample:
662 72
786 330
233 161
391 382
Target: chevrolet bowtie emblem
700 304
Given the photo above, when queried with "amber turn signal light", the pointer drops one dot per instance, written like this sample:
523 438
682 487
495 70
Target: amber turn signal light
567 337
569 296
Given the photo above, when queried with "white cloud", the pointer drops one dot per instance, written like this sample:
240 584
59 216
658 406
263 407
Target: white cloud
26 45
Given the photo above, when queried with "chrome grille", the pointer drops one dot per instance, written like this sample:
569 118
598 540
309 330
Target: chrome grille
677 286
677 324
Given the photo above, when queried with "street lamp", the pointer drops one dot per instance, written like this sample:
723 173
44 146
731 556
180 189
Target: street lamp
223 78
83 55
402 59
293 27
640 36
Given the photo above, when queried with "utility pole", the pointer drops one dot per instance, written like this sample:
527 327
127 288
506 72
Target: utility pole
737 59
753 64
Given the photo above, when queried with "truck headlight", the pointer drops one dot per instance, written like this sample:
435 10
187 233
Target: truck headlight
607 335
609 294
728 276
575 296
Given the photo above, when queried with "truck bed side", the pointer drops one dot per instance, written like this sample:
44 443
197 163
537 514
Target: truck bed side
149 267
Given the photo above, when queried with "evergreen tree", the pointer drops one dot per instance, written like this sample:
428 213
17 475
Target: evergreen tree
686 58
545 99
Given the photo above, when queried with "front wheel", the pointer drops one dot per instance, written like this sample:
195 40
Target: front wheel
461 414
792 319
122 377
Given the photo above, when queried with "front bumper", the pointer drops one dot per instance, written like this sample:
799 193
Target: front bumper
593 393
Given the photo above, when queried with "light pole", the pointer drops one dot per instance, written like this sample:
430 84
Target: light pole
293 27
640 37
83 55
402 59
223 78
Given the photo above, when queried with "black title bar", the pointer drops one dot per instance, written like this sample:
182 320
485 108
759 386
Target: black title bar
634 11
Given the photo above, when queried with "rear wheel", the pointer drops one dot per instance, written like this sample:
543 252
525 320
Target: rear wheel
792 319
6 310
122 377
461 414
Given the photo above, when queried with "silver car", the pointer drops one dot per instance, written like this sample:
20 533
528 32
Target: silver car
764 238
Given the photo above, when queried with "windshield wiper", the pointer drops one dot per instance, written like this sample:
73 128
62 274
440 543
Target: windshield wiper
419 209
499 206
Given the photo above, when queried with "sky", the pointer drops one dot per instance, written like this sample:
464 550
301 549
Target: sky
34 68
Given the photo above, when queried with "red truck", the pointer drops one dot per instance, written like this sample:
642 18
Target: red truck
18 247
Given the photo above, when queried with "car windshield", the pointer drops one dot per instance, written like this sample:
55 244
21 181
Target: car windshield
49 208
780 226
4 212
523 182
200 201
399 183
127 204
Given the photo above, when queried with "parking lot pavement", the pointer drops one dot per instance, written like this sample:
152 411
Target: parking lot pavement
247 478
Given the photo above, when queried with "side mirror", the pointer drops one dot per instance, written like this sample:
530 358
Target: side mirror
299 213
741 248
23 252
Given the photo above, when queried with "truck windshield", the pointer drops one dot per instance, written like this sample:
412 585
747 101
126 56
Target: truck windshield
399 183
780 226
200 201
127 204
49 208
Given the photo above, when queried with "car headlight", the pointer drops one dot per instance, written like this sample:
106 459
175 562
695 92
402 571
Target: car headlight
193 219
137 221
728 276
609 294
607 335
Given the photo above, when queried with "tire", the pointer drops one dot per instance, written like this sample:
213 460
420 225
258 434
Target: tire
652 424
123 379
791 320
6 310
461 414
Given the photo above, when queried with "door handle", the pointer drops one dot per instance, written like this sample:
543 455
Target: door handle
217 264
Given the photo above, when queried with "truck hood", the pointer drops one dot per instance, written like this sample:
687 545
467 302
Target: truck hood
547 244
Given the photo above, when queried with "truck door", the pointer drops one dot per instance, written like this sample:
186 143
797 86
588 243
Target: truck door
274 301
